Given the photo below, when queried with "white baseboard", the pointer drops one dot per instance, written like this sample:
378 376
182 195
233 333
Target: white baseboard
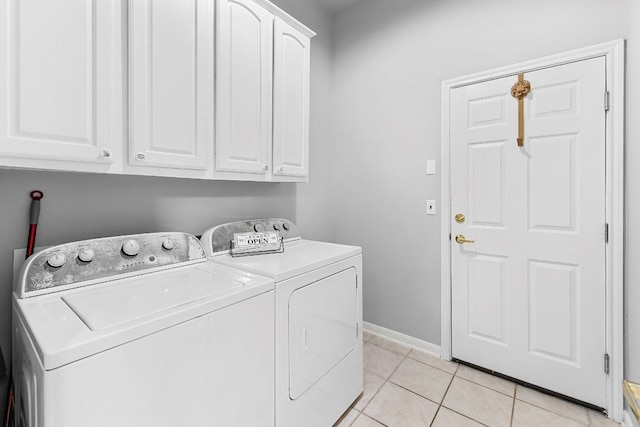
629 420
402 338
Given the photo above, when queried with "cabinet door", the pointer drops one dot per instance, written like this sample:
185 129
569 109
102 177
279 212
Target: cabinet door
60 83
243 87
290 101
170 82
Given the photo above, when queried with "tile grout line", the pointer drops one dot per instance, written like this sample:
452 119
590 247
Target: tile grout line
513 405
453 410
443 396
489 388
440 404
353 405
547 409
434 367
435 416
386 380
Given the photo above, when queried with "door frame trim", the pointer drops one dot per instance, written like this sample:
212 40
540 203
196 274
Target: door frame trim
614 54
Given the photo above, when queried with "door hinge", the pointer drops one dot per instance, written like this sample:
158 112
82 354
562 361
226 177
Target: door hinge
606 233
606 363
357 330
607 99
449 236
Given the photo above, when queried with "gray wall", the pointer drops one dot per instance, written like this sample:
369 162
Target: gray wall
390 60
81 206
313 199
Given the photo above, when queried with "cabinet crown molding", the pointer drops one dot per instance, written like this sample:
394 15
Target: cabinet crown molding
286 17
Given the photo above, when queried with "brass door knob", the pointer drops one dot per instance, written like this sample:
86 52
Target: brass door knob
461 239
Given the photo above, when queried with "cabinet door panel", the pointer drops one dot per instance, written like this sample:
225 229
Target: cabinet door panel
170 89
244 92
290 101
60 81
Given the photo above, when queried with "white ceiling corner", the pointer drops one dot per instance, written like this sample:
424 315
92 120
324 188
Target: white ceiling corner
335 6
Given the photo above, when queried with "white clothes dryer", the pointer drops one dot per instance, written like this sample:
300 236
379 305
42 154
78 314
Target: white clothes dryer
141 331
319 359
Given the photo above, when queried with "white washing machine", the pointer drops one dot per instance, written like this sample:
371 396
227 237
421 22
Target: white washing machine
141 331
319 366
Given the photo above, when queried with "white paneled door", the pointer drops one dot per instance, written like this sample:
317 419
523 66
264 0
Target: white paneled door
528 294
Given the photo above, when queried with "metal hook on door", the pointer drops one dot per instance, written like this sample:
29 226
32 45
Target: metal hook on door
519 91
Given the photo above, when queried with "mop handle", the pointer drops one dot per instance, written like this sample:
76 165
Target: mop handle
34 213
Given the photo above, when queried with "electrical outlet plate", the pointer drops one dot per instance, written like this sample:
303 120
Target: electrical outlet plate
431 207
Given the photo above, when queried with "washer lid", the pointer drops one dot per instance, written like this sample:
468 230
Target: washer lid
106 307
77 323
298 258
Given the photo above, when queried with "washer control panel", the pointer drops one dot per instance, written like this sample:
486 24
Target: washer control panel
107 259
217 239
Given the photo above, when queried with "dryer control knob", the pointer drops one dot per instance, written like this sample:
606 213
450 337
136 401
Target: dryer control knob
276 227
57 260
285 226
259 228
131 248
86 255
167 244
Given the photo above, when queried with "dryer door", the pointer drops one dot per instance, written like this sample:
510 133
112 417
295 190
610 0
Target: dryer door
323 318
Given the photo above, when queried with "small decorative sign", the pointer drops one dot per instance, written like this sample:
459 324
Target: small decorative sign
254 243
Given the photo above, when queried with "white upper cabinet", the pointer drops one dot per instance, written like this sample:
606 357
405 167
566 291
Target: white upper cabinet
61 84
244 64
170 83
290 100
209 89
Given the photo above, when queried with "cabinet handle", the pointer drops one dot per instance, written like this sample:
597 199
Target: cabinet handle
281 169
140 156
105 154
266 167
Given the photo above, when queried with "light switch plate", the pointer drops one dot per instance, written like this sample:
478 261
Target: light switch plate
431 167
431 207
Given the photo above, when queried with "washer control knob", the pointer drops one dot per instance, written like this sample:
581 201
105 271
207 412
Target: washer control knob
86 255
285 226
57 260
131 248
167 244
276 227
258 228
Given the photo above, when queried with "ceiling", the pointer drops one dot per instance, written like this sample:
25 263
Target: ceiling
335 6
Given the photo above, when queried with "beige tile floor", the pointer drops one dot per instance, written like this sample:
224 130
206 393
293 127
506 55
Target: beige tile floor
404 387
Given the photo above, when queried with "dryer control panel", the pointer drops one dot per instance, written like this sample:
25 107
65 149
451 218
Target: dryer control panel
217 240
98 260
